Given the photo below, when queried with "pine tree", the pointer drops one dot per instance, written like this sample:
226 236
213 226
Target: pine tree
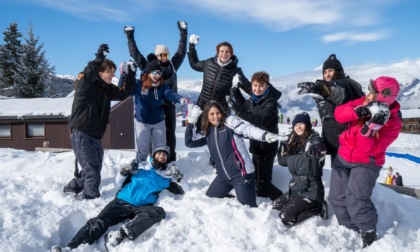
10 53
33 74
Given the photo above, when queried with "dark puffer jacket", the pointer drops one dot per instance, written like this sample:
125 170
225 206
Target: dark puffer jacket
343 90
306 170
263 114
92 100
217 80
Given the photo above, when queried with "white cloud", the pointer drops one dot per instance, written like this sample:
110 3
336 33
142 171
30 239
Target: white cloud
351 36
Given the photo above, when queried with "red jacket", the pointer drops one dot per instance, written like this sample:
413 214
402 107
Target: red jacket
356 148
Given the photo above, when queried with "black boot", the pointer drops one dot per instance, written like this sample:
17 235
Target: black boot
112 239
368 237
324 213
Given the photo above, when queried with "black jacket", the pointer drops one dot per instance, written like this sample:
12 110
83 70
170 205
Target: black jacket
217 80
169 68
306 170
343 90
92 101
264 115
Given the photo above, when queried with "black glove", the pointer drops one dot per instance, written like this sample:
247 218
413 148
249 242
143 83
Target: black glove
236 95
132 168
282 149
182 26
175 173
233 105
249 177
318 87
362 111
314 151
131 66
376 123
103 50
129 31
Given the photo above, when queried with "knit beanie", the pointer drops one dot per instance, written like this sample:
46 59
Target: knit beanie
159 49
302 118
152 64
332 62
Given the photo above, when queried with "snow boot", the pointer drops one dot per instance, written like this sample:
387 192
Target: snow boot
112 239
72 191
368 237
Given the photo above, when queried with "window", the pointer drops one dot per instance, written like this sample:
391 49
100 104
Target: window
35 130
5 131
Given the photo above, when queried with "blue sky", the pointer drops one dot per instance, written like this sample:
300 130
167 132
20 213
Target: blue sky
279 36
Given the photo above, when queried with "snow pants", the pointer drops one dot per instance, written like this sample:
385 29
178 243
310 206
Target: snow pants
244 189
146 135
351 187
170 123
264 172
297 209
143 217
89 153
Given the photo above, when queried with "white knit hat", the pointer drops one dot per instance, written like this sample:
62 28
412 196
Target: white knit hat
161 49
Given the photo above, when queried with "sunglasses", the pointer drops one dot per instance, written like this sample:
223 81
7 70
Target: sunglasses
164 55
156 72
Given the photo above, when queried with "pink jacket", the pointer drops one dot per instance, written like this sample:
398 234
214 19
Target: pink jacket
356 148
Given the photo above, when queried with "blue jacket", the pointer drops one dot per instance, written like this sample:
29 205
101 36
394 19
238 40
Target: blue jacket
144 187
148 106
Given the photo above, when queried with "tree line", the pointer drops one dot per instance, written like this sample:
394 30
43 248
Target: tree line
23 66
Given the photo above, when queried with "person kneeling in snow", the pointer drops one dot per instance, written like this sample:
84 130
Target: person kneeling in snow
129 204
304 154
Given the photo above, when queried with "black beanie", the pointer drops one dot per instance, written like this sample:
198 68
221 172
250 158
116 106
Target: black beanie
302 118
152 64
332 62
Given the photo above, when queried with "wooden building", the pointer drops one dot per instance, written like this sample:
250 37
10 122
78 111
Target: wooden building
411 121
43 122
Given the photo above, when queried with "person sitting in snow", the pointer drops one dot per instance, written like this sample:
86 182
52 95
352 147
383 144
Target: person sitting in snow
374 122
224 137
304 154
129 204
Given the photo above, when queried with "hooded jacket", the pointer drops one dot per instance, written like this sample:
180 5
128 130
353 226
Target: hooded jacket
92 101
356 148
306 170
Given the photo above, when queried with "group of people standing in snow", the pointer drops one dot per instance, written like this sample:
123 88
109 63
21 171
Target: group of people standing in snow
356 130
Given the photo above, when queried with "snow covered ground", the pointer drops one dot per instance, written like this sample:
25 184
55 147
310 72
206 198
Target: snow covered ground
35 214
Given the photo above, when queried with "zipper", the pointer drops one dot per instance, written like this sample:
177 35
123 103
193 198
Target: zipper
218 152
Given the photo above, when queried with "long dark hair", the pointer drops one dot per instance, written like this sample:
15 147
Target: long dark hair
297 142
205 123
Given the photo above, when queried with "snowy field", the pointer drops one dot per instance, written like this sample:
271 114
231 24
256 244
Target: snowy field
36 214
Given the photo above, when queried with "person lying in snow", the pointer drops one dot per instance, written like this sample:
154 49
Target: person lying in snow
150 179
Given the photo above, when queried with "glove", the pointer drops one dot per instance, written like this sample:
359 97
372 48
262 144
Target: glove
362 111
236 95
282 148
236 81
124 66
376 123
271 137
175 173
313 150
184 101
318 87
194 113
194 39
376 106
233 105
249 177
130 168
103 50
182 26
129 31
